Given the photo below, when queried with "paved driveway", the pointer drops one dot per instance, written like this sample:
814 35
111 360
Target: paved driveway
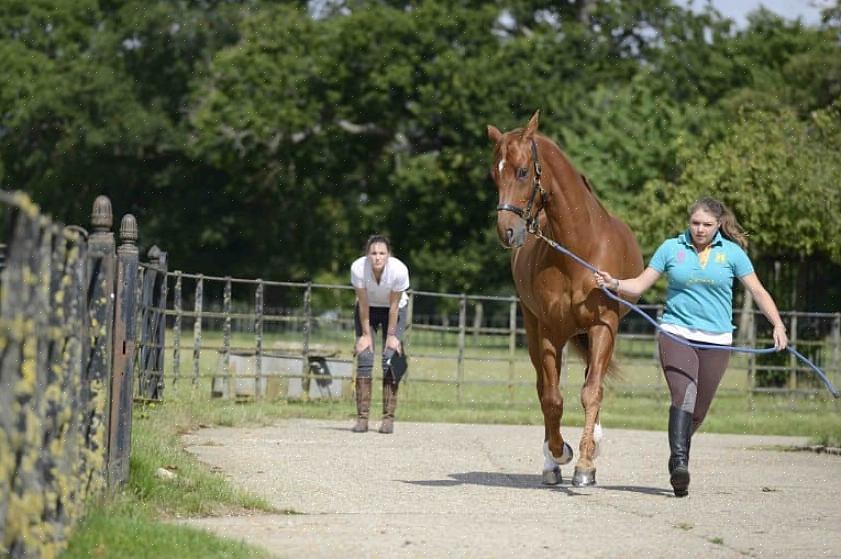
446 490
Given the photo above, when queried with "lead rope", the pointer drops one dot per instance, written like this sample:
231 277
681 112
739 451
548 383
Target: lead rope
736 349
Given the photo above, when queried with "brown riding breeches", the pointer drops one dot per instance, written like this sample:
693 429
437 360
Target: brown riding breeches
693 375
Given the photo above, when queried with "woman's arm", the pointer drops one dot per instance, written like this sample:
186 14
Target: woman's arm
392 341
632 287
364 340
766 304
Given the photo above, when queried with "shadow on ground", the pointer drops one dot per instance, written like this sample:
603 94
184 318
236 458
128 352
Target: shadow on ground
529 481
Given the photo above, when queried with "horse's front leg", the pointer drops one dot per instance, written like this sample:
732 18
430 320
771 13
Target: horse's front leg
556 451
601 342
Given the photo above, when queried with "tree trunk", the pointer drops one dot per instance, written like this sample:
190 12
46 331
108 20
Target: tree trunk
745 319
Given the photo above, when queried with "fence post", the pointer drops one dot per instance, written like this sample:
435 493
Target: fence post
260 382
153 328
462 327
226 338
122 375
160 332
836 342
176 329
752 356
305 350
19 310
792 360
199 295
101 264
407 338
512 346
479 311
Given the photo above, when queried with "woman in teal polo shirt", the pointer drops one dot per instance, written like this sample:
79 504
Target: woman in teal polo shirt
700 264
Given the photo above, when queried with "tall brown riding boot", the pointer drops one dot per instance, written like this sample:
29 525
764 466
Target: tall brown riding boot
363 404
389 405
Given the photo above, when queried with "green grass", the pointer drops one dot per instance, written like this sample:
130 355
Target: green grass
817 418
195 491
495 392
122 529
134 523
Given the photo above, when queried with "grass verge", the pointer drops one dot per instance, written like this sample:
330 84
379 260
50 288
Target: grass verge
125 529
139 522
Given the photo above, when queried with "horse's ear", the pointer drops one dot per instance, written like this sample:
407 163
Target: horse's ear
531 127
494 134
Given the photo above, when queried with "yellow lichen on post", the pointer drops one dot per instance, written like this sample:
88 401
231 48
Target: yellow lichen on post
53 458
29 208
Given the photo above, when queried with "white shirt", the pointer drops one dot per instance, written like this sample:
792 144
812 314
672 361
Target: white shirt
395 277
695 335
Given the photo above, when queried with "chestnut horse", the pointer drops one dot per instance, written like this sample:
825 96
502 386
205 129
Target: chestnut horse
541 192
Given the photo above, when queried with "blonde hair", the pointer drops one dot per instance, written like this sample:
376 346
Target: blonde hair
729 227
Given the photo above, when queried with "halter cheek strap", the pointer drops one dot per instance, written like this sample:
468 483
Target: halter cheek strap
526 213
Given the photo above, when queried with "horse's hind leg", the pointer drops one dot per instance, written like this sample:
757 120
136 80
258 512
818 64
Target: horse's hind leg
600 350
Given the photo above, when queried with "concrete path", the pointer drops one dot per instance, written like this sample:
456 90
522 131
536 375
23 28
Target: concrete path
445 490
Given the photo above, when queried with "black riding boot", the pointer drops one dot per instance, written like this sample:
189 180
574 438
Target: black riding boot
680 431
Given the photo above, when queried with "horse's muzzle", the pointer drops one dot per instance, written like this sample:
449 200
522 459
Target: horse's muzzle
513 236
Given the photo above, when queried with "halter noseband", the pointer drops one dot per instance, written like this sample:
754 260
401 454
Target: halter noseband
525 214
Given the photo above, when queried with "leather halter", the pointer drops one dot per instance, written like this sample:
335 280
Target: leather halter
526 213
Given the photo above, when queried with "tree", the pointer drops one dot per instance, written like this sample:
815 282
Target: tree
778 175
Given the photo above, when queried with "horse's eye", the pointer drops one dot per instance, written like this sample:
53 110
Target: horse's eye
522 173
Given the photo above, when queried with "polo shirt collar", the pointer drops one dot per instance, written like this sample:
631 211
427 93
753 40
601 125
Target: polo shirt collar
686 238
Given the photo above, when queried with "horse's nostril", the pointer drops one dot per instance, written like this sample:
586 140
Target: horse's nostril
509 234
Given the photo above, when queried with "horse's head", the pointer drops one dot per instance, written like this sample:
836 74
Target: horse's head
516 172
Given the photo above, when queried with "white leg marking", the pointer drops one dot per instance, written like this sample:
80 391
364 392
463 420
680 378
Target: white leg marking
598 434
549 462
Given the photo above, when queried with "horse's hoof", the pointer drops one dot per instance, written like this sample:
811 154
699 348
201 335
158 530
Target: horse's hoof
583 478
552 477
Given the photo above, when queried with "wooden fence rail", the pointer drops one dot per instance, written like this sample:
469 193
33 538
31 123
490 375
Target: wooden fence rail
459 333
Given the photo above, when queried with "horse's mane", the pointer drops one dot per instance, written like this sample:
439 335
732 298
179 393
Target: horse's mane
587 183
584 178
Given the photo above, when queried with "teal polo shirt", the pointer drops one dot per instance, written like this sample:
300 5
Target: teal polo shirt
700 292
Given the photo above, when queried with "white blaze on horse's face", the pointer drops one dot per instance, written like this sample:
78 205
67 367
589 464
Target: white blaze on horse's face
513 187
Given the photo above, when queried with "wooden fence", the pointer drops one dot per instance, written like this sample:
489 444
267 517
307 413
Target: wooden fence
68 312
251 328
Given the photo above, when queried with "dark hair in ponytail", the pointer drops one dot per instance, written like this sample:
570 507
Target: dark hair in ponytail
730 228
373 239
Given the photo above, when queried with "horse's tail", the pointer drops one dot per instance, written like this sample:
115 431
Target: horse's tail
581 345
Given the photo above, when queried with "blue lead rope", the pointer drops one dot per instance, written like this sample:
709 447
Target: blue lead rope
738 349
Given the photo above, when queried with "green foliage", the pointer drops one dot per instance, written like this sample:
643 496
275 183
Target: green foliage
776 173
239 131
